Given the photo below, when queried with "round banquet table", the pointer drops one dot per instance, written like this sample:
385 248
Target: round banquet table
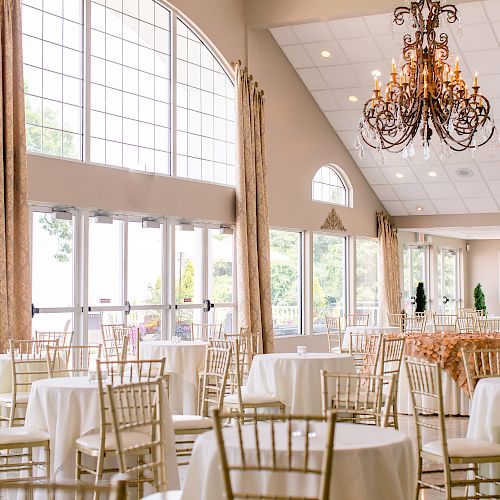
296 380
67 408
370 463
484 423
367 329
184 361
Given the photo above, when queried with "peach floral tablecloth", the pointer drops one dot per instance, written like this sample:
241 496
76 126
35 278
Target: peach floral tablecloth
444 348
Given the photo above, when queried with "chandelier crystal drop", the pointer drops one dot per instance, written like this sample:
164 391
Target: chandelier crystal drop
427 95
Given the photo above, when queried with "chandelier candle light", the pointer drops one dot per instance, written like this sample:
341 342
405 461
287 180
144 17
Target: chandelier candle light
426 94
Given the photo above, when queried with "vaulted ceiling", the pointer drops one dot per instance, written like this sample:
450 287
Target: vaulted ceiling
357 46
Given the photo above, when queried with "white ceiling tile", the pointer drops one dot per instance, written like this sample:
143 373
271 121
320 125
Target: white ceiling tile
450 206
490 171
336 55
389 46
348 28
485 62
440 190
342 96
477 37
374 175
422 174
495 188
407 192
490 86
379 24
312 32
395 208
298 56
472 189
312 79
484 154
492 8
348 137
343 120
284 35
472 13
340 77
390 160
481 205
359 50
364 72
366 162
385 193
325 99
390 174
425 204
454 172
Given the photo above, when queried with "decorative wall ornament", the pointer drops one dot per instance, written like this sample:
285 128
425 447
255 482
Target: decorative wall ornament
333 222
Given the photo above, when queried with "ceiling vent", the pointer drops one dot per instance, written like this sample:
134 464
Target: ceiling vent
464 172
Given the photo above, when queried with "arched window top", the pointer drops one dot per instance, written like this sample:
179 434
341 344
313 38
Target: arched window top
330 185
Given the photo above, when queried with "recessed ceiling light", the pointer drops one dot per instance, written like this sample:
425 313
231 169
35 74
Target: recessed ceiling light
325 53
419 208
353 98
376 73
399 176
432 173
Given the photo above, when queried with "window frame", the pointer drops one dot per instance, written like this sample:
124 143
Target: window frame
344 181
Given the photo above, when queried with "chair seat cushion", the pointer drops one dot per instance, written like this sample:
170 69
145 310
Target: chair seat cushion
165 495
251 398
21 397
463 448
93 441
21 435
186 422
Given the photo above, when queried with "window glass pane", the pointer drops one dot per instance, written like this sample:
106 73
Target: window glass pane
132 63
148 321
327 186
286 281
447 266
53 322
328 278
205 101
53 68
366 279
413 273
105 263
53 261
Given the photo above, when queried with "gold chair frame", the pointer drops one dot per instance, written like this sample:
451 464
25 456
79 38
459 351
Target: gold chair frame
480 363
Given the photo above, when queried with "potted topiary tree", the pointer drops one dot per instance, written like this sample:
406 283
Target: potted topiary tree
479 300
420 298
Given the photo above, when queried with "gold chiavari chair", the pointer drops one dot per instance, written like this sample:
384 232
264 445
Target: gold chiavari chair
28 363
396 320
65 338
444 322
98 446
239 400
115 342
334 333
73 360
491 325
133 339
357 398
215 377
390 359
277 462
364 348
463 311
426 391
249 343
138 425
206 332
480 363
46 490
466 324
415 324
356 320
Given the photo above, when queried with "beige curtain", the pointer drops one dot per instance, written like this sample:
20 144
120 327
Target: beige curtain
389 281
15 274
252 223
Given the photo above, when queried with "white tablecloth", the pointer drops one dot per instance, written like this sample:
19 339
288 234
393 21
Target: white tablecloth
456 401
367 329
68 408
369 463
484 423
184 361
296 380
6 371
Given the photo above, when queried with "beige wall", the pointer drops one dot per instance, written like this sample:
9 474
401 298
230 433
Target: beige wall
484 268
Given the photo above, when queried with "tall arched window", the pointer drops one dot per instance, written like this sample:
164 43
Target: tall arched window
127 84
331 186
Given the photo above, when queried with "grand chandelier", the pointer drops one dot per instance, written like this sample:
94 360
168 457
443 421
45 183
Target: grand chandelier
427 95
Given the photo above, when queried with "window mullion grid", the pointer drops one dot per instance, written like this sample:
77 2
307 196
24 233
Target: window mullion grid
173 93
124 252
87 77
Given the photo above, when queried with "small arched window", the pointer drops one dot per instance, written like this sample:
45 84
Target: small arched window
330 186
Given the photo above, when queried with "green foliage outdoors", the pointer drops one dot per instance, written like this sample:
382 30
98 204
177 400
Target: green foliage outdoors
420 298
479 299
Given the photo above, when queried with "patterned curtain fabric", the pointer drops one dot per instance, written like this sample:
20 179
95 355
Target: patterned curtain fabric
252 223
15 273
389 281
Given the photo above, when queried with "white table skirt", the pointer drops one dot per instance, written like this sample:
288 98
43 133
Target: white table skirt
484 423
184 361
370 463
367 329
296 380
456 401
68 408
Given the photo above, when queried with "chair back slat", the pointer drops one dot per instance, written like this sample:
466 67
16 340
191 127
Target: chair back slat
356 320
365 348
489 325
206 332
65 338
415 324
480 363
334 333
444 322
396 320
73 360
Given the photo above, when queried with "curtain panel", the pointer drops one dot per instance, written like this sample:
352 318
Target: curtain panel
252 222
389 270
15 273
